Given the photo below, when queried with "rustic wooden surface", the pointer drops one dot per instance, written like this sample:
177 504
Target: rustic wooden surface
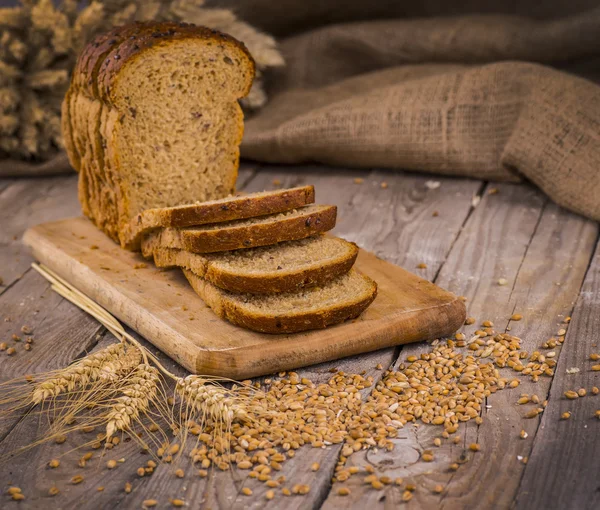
469 238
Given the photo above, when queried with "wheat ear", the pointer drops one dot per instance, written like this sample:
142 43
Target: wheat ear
137 395
91 368
209 400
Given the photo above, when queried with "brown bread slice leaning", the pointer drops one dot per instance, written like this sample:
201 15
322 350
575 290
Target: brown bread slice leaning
250 233
152 120
344 298
216 211
284 267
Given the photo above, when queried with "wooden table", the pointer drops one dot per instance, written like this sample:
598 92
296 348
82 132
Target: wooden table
469 234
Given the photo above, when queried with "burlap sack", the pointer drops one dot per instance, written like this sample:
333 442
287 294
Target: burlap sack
451 95
430 86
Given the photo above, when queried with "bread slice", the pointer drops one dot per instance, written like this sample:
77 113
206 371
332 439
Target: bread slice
250 233
284 267
344 298
215 211
152 119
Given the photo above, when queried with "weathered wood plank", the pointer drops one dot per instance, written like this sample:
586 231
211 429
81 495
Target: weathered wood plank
519 236
246 173
397 223
563 467
61 332
29 470
414 207
26 202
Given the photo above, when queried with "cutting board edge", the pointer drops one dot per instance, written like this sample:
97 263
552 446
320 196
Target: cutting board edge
367 338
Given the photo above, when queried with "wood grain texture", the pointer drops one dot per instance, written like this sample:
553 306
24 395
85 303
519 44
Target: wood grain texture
415 219
402 229
28 469
61 332
164 309
396 222
563 467
222 490
24 203
515 234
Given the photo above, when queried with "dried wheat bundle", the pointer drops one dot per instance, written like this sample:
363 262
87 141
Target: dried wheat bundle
40 41
122 388
137 395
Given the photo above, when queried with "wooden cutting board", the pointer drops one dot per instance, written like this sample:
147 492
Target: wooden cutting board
162 307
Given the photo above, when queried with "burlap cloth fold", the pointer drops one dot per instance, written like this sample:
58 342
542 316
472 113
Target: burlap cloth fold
510 93
472 95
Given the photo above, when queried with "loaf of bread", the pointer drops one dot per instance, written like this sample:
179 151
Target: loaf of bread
216 211
344 298
284 267
151 120
249 233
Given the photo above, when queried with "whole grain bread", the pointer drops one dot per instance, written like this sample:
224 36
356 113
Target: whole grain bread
344 298
284 267
250 233
216 211
152 120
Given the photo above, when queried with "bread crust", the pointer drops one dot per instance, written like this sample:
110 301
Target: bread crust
263 283
139 37
241 207
231 311
229 238
95 74
289 282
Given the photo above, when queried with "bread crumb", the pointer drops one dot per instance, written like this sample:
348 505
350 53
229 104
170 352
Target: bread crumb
276 182
94 247
384 185
493 191
422 265
140 265
358 180
502 281
435 214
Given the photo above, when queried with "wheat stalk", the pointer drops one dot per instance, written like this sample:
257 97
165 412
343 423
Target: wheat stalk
137 395
100 365
210 400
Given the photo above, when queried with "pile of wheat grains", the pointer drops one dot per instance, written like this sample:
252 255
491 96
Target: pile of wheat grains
257 427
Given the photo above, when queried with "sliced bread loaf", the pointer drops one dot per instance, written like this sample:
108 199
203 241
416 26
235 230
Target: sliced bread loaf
262 231
215 211
318 307
284 267
152 119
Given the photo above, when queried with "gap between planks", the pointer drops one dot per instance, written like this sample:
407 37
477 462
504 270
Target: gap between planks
398 224
413 205
565 460
518 235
